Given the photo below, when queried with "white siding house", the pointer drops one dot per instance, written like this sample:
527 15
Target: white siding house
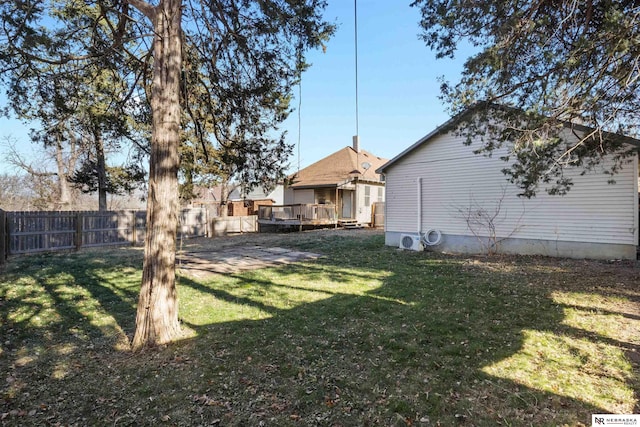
440 184
346 179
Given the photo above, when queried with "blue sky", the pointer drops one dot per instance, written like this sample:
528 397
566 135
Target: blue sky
397 79
398 84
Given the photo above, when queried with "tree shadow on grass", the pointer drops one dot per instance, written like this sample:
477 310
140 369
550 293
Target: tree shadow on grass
63 301
62 318
420 338
431 346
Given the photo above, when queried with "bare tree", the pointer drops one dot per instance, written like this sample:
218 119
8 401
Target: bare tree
484 222
16 193
51 168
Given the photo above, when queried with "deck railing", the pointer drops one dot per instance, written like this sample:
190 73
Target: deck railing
298 212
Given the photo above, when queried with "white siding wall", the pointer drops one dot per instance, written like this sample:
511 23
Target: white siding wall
363 213
277 195
453 179
304 196
288 196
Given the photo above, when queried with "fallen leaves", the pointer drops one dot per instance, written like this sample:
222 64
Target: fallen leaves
207 401
356 358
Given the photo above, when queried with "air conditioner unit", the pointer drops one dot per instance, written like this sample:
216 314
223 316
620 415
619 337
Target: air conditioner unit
411 242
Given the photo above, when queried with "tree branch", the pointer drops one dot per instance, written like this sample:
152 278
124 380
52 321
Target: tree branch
145 8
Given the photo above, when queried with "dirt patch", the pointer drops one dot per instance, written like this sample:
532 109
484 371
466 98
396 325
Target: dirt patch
203 264
269 239
204 257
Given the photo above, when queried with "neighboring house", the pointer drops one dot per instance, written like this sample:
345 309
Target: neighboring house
237 204
243 205
346 179
206 196
439 187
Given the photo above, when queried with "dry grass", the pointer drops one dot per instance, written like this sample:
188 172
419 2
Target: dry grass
367 335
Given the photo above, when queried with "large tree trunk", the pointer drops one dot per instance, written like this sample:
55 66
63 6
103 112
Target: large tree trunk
224 198
157 314
102 169
64 198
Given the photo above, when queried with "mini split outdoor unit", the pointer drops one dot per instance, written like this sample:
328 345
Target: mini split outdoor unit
411 242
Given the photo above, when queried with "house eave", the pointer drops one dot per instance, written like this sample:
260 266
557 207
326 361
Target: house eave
310 186
370 182
452 122
444 128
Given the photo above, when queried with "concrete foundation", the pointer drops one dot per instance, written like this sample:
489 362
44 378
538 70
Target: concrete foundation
555 248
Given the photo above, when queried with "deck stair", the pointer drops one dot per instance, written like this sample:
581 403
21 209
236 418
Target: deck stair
350 223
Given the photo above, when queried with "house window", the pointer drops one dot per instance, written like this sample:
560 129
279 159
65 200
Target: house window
323 196
367 195
380 194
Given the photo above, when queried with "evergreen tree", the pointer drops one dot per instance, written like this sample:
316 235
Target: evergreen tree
266 39
562 64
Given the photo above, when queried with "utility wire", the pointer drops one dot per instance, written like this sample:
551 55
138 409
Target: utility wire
299 119
355 17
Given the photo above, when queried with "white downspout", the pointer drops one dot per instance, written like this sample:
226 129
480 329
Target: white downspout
419 205
636 204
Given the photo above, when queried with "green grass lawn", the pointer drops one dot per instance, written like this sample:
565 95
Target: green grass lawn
366 335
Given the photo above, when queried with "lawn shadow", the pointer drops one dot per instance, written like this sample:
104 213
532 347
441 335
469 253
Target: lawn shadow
67 301
425 344
426 338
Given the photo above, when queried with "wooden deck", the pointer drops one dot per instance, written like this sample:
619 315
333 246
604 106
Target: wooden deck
297 216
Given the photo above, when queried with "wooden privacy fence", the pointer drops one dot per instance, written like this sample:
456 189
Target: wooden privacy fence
3 236
30 232
377 214
234 224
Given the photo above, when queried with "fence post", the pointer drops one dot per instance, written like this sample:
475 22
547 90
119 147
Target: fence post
133 227
78 239
3 236
206 222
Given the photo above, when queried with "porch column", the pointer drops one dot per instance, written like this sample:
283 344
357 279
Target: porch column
337 209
